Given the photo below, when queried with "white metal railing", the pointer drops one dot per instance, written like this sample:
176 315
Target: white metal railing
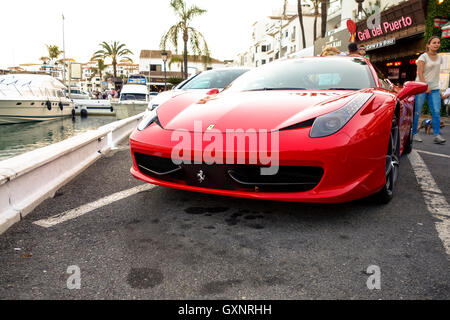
28 179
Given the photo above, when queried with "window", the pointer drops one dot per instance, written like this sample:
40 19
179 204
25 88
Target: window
155 67
263 61
213 79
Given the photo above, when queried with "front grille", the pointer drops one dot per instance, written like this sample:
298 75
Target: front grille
155 165
230 177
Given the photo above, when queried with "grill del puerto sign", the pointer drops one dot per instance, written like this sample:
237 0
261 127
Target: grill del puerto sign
385 28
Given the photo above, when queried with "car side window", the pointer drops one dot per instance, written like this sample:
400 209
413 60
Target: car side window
384 82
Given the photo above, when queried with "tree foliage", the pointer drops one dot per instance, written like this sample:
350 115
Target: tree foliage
434 11
113 50
184 31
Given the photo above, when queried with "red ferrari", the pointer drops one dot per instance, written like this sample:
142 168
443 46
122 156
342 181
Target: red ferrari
320 129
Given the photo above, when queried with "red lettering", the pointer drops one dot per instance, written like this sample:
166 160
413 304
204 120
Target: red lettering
363 35
386 26
408 21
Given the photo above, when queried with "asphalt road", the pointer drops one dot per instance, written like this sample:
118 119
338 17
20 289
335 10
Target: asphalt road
171 244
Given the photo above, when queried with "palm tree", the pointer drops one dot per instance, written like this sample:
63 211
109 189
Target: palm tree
114 50
178 60
300 18
101 66
183 29
324 15
316 15
53 51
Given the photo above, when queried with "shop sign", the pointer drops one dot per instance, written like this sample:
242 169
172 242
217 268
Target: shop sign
403 17
385 28
380 44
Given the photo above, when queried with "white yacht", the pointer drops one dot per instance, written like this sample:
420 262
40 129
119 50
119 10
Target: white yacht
134 99
32 97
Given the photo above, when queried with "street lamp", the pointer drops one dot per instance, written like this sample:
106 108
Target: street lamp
164 59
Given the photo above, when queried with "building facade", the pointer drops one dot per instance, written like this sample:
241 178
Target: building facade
151 64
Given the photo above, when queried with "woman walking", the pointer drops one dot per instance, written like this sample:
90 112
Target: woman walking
428 68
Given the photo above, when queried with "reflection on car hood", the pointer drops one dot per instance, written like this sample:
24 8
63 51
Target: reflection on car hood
166 95
249 110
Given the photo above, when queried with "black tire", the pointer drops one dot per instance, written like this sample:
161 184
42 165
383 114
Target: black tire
49 105
392 164
61 107
409 143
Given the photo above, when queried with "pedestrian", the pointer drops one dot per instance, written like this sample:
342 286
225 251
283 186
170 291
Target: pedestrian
353 50
330 51
362 52
428 69
446 99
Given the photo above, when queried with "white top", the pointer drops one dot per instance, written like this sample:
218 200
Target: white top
431 70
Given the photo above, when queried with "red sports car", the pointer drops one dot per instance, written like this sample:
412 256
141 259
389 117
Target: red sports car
320 129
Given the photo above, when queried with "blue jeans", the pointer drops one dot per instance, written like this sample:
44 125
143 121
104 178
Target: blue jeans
434 102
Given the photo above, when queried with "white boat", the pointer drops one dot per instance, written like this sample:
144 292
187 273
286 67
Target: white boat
32 97
77 94
94 107
134 99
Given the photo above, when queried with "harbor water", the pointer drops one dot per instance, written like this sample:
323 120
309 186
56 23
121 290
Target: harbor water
16 139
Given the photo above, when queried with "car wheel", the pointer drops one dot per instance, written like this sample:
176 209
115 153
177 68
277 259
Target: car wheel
392 164
409 143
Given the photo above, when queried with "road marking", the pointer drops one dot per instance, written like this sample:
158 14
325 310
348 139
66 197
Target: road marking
86 208
436 203
434 154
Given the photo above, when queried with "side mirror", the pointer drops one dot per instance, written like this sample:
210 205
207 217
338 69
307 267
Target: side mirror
411 88
212 92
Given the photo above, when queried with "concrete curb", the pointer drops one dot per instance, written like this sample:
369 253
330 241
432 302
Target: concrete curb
30 178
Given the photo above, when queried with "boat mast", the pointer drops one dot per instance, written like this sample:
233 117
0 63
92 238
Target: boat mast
64 53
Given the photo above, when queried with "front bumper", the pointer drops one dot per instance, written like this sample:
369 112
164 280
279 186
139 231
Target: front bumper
352 162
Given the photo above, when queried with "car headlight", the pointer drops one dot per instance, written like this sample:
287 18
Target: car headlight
148 119
332 122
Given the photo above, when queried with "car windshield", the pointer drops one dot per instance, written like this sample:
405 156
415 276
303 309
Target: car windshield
214 79
307 74
133 96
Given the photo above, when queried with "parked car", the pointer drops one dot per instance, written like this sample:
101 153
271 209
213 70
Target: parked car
201 83
337 130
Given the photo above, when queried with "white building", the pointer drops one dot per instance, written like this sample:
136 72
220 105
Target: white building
280 32
266 44
152 60
339 11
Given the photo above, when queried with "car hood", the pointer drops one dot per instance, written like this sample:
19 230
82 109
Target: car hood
267 110
167 95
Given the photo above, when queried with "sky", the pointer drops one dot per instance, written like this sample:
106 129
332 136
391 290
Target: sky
26 26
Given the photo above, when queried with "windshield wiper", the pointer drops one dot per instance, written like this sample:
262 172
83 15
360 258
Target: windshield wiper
271 89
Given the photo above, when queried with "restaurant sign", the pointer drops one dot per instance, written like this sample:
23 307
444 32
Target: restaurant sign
385 28
406 16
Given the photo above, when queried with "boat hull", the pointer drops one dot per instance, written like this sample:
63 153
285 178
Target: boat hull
19 111
95 107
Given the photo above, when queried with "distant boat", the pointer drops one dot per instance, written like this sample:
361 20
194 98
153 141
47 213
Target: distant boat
32 97
134 99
